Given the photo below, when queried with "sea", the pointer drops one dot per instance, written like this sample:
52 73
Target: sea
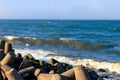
92 43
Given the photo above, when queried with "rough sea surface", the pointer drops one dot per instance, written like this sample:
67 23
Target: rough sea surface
93 43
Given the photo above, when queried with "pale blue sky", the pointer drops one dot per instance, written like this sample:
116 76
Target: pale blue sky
59 9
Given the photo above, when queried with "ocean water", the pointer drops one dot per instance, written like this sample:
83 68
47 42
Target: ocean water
93 43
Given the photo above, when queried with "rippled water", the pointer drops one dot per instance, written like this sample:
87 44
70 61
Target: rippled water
97 41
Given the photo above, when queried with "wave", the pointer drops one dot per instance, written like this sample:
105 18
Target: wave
114 50
15 37
79 44
46 55
111 66
10 37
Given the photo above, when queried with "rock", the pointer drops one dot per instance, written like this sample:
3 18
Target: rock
101 70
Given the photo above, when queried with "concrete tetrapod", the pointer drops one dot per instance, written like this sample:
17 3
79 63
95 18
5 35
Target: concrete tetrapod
81 73
2 44
27 70
37 72
8 59
25 64
8 47
69 74
51 77
2 55
11 73
27 73
44 76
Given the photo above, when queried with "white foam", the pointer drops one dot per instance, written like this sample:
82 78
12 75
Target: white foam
42 54
27 44
38 54
66 39
10 37
111 66
15 37
30 38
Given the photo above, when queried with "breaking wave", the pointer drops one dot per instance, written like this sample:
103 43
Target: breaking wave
46 55
79 44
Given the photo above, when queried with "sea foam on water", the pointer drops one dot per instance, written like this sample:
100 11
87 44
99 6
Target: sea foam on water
42 54
109 66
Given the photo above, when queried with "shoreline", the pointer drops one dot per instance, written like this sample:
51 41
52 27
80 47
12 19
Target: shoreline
18 67
32 63
47 57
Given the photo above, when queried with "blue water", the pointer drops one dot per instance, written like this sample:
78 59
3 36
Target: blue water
93 42
87 39
76 29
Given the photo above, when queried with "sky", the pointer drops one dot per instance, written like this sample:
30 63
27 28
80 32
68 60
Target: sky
59 9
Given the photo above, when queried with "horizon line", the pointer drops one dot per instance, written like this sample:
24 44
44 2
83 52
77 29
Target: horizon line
59 19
